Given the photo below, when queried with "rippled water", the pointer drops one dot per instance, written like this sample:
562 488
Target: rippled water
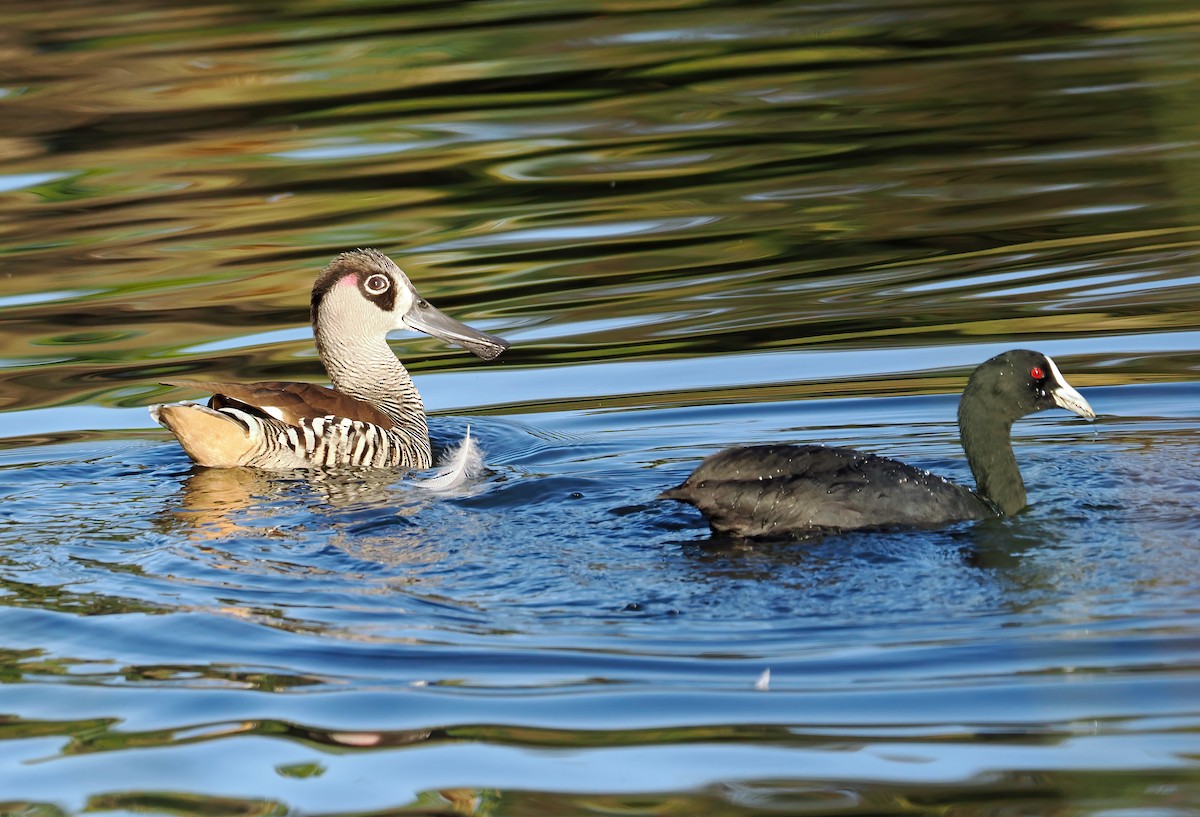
700 225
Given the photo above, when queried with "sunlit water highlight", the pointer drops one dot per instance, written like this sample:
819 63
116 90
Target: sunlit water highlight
700 225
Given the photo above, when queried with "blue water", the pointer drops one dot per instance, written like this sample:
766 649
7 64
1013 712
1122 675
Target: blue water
700 225
554 628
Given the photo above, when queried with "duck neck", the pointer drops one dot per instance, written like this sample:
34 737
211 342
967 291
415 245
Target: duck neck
365 368
987 440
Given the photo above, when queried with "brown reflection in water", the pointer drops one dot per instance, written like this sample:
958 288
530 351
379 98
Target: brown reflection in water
376 518
999 792
221 502
214 501
180 802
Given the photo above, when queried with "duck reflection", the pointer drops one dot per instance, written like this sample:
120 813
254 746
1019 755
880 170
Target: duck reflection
373 513
222 502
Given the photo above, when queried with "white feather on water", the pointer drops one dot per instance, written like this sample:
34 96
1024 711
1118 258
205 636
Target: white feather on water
458 465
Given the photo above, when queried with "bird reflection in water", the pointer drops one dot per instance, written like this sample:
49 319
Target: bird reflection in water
372 514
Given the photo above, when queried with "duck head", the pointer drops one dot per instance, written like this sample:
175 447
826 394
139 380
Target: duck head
363 291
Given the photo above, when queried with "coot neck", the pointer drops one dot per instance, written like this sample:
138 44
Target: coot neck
986 434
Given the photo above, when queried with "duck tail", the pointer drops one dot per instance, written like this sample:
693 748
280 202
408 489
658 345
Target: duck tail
213 438
459 464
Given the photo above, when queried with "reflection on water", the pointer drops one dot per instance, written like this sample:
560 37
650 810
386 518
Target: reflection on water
615 185
700 225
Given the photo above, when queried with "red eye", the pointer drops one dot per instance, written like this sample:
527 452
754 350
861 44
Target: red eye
1036 373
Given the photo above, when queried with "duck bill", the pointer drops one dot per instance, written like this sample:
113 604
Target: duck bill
1066 397
424 317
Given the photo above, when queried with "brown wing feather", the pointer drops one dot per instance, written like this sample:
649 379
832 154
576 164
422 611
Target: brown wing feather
293 401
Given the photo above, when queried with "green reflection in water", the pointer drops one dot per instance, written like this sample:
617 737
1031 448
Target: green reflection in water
608 184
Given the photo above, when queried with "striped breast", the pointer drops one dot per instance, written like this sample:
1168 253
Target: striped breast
333 441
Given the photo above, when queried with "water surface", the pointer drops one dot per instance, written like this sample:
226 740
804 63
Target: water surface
700 225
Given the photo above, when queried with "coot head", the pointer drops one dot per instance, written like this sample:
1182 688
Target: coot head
1020 382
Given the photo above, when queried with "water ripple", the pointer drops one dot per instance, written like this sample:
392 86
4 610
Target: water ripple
701 225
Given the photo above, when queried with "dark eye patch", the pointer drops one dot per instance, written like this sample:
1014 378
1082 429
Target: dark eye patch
385 300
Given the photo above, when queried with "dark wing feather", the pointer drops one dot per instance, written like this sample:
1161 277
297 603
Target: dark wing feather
289 402
775 490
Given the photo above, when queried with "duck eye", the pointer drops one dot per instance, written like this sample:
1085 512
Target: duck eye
1036 373
377 284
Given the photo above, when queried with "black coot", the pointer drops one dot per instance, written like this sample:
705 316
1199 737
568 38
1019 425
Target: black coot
805 490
